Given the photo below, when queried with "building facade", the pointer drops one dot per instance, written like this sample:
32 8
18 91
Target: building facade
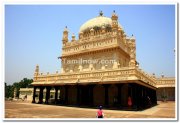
99 68
165 88
27 94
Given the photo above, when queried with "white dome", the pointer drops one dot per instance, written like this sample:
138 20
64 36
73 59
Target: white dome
96 22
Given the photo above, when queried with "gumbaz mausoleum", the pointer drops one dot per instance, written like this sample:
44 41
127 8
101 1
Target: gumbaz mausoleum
100 68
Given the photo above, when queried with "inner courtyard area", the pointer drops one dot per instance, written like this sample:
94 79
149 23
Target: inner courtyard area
16 109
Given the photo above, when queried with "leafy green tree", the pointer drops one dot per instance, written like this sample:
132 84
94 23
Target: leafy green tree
9 89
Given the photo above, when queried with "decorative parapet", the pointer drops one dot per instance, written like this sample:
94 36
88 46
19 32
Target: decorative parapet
26 89
96 76
146 78
31 90
93 43
165 82
99 76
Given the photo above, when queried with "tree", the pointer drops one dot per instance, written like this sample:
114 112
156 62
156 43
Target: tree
9 90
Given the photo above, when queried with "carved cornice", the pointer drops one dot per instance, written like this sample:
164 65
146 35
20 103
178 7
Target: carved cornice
99 76
94 43
95 50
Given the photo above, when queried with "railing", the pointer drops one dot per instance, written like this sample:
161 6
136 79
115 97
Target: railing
25 89
165 82
85 74
122 74
95 38
145 77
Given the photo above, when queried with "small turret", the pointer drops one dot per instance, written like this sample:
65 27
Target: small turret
103 30
36 73
36 70
114 18
162 75
73 37
153 75
132 46
65 36
80 35
92 32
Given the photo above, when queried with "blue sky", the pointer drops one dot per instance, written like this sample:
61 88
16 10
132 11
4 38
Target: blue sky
33 35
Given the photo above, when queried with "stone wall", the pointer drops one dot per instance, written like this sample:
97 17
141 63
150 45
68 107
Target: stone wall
166 92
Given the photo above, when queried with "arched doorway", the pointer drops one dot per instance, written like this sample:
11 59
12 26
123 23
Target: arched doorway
62 95
113 95
72 92
84 95
126 91
99 95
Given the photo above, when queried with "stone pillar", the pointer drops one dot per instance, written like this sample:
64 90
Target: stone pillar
138 93
47 94
56 94
134 95
66 94
129 90
34 95
144 100
130 94
155 96
91 95
141 99
106 95
41 95
119 94
152 96
78 95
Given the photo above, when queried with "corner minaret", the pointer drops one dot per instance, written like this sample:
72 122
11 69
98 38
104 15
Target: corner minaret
114 18
65 36
36 73
73 37
132 46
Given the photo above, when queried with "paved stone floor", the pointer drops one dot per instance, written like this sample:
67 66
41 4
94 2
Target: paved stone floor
28 110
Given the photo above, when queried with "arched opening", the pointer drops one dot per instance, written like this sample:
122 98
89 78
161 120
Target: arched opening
72 92
62 95
124 95
99 97
113 95
84 95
